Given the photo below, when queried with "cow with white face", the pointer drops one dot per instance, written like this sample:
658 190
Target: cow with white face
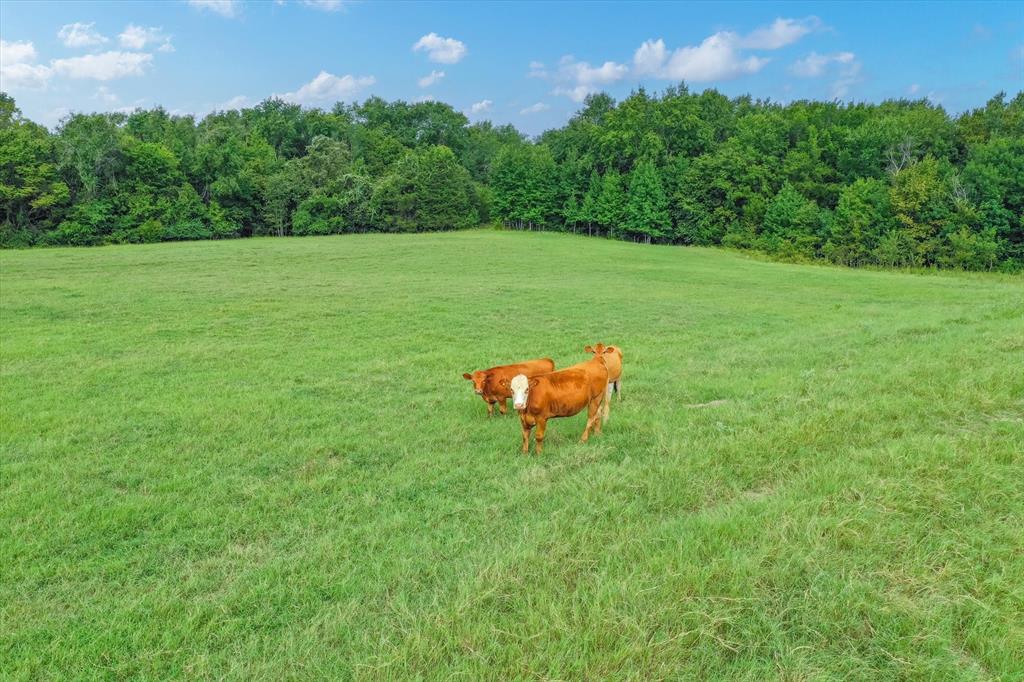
520 387
560 394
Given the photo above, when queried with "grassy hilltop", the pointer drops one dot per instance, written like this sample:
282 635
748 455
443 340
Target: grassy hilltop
258 459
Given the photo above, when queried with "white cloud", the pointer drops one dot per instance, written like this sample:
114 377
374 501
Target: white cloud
718 57
137 37
913 89
814 64
104 66
225 8
425 98
721 55
17 52
849 75
579 79
80 35
325 5
585 74
51 118
576 93
327 86
104 94
534 108
780 33
430 79
481 106
650 57
842 65
441 50
236 102
28 76
17 69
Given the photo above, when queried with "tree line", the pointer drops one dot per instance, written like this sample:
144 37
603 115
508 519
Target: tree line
900 183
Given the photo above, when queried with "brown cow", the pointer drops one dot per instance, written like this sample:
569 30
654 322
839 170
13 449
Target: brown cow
614 362
492 384
560 394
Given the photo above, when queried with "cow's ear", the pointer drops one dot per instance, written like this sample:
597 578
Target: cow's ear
467 375
609 349
503 383
588 349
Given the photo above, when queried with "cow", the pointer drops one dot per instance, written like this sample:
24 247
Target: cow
560 394
492 384
614 362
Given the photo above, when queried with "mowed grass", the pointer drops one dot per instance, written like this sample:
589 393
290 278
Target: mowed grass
258 459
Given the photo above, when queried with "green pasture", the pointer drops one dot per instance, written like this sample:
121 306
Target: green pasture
257 459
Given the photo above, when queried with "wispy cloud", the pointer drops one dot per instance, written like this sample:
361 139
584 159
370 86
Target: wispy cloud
430 79
80 35
481 106
780 33
138 37
576 79
327 87
815 64
225 8
843 67
534 108
104 95
585 79
325 5
236 102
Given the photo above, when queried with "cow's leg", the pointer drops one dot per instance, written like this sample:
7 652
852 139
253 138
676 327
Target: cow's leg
526 437
490 409
592 411
608 401
618 388
542 425
504 406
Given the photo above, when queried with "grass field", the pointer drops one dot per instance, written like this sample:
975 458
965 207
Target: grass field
258 459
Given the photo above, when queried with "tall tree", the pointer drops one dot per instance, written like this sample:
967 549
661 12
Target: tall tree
646 213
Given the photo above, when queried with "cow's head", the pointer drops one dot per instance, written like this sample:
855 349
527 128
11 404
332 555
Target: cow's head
599 350
520 387
478 378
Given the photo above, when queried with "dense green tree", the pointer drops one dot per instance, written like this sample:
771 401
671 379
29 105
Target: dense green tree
611 203
32 195
646 215
525 186
896 183
427 190
921 203
792 225
864 214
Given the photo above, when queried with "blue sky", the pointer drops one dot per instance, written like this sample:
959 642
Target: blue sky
529 64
